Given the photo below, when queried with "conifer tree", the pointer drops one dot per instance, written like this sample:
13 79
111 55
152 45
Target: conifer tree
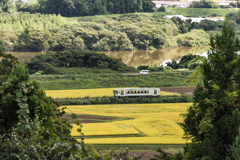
213 121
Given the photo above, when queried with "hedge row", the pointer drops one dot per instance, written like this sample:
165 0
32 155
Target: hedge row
125 100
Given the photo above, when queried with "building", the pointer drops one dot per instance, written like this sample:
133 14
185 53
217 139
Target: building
225 3
20 3
178 4
194 19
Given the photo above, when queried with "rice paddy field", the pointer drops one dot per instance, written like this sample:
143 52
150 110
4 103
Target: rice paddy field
144 124
147 123
80 93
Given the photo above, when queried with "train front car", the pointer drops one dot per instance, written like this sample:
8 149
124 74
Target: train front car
137 92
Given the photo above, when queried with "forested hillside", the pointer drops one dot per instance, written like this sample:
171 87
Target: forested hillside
126 32
70 8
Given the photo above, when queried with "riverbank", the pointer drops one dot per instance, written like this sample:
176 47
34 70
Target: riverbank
88 81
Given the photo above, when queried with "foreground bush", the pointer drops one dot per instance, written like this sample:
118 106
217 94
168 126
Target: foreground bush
30 123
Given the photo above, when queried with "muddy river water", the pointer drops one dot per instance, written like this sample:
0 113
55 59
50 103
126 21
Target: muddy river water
135 58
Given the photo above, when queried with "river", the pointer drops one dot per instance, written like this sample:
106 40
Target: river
155 57
135 58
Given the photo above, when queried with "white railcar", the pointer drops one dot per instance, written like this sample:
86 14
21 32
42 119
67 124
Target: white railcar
136 92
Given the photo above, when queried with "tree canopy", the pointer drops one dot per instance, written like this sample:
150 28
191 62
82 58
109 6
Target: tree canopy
213 121
6 6
70 8
30 123
6 64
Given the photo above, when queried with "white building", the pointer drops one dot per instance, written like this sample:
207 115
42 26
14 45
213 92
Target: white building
179 4
20 3
225 3
194 19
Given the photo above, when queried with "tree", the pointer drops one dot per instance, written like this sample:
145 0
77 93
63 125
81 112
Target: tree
6 65
148 6
22 101
161 9
66 8
235 16
34 40
207 25
233 4
30 127
6 6
203 4
212 122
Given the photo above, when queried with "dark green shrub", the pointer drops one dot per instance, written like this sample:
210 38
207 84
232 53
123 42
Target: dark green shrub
161 9
69 59
142 67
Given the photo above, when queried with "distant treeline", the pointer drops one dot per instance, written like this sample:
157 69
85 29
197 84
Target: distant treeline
70 8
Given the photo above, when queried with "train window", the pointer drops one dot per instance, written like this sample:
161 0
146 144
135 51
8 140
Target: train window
122 92
131 91
147 91
155 91
138 91
141 91
134 91
127 92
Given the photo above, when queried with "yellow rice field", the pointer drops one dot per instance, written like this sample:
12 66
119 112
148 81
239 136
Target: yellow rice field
88 92
158 122
135 140
101 129
168 111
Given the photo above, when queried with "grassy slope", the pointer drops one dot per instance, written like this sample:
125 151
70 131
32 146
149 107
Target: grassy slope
200 12
87 81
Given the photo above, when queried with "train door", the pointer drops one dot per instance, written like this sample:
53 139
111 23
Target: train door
115 92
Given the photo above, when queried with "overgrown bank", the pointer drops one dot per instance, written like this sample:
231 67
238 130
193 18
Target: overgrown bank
88 81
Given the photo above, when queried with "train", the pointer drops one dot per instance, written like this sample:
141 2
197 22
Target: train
136 92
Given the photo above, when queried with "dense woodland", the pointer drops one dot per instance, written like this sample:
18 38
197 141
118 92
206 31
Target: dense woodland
70 8
125 32
73 8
